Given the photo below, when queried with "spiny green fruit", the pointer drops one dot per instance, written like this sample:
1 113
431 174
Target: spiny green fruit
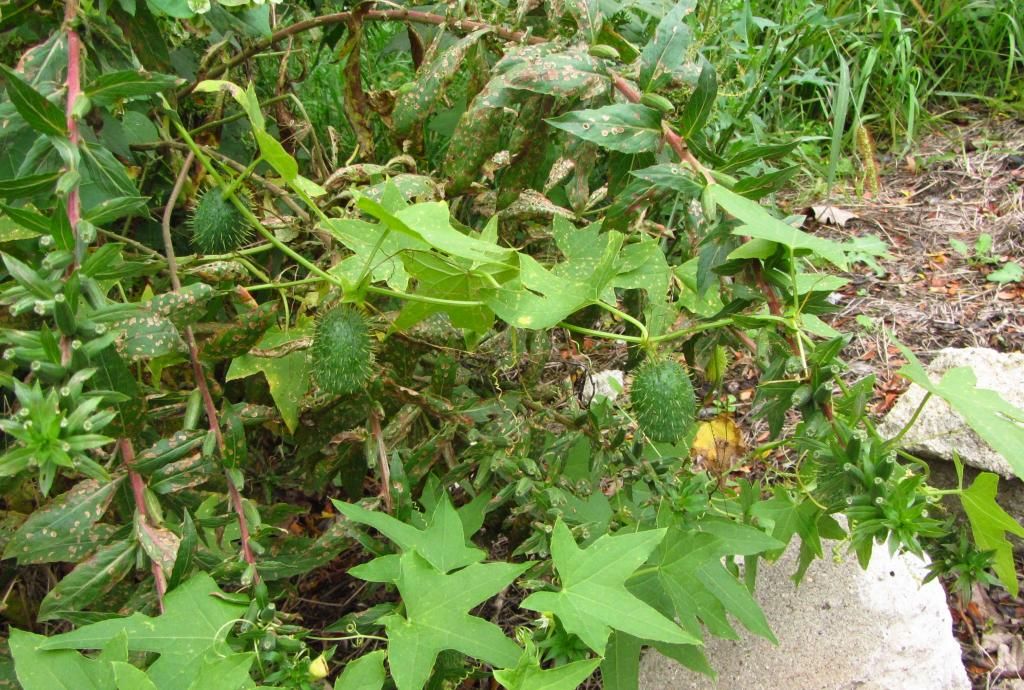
663 401
217 226
342 352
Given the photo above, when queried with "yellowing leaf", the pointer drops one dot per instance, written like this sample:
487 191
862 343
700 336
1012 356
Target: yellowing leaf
718 442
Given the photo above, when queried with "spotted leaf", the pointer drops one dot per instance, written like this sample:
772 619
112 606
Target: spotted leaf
66 529
624 127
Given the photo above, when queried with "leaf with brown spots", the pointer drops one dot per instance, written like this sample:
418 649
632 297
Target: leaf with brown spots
66 529
418 99
159 543
234 339
90 580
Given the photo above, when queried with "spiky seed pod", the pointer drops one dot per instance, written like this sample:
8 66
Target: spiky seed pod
342 351
217 226
663 401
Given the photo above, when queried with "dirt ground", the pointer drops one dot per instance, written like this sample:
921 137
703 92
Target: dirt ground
964 182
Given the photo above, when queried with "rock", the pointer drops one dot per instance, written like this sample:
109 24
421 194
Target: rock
939 431
843 628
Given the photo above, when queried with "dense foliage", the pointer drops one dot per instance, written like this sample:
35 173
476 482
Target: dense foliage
297 289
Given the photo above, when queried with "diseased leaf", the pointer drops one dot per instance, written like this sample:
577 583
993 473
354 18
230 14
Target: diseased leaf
593 598
66 529
91 579
666 50
624 127
417 100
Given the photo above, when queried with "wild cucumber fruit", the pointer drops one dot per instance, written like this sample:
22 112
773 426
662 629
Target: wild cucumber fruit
663 401
217 226
658 102
342 352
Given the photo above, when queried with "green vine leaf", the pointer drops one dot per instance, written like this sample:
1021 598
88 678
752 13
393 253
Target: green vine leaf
761 224
287 376
442 543
997 422
196 621
989 525
528 675
91 579
436 618
593 599
689 569
623 127
65 670
364 673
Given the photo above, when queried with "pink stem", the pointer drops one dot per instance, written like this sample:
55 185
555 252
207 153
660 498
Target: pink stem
139 494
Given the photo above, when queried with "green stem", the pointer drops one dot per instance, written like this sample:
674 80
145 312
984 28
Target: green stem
684 332
288 284
600 334
895 440
644 335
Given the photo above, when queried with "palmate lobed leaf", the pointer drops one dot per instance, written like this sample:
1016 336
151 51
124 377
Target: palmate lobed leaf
442 543
528 675
287 376
593 599
989 525
997 422
194 624
436 618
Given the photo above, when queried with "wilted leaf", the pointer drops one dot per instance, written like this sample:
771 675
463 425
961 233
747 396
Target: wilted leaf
832 215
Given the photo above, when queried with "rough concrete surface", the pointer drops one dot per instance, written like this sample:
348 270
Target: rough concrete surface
939 431
843 629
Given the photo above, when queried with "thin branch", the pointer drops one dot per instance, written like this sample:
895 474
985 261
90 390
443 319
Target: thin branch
197 368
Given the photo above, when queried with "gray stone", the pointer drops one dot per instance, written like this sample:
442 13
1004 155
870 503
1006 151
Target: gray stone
939 431
843 628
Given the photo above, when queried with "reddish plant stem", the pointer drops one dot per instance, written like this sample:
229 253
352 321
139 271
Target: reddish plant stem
382 458
209 405
139 494
458 26
671 137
